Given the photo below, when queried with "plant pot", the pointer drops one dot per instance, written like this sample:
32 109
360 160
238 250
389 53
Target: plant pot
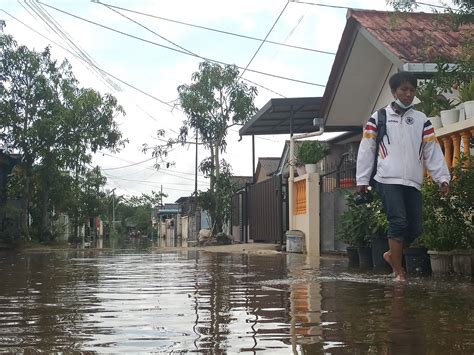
469 109
379 246
436 122
417 261
365 257
353 256
462 262
311 168
449 116
441 262
300 170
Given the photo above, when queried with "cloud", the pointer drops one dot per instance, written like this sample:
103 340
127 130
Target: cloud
159 71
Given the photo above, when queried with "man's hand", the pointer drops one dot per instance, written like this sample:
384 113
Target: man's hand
362 189
444 188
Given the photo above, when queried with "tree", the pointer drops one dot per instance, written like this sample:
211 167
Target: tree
51 122
215 101
138 209
463 12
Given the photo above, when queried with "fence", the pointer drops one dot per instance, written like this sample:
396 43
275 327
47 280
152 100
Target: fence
339 175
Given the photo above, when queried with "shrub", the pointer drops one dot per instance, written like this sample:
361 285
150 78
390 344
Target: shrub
310 152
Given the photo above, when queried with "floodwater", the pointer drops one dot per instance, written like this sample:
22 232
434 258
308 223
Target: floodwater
221 303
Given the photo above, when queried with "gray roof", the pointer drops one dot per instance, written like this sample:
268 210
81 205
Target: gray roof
240 181
284 116
269 164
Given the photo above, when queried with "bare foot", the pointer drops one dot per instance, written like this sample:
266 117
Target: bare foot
388 258
400 278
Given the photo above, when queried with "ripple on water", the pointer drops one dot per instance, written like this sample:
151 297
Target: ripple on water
216 303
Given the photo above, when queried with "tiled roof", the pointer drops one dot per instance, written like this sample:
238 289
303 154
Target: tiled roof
240 181
269 164
415 37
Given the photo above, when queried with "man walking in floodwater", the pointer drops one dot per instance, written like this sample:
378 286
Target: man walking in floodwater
407 145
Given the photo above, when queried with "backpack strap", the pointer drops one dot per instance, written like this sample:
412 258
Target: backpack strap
381 132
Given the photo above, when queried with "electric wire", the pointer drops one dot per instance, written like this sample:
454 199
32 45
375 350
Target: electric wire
177 50
347 8
100 69
163 170
177 45
127 166
261 43
68 41
215 30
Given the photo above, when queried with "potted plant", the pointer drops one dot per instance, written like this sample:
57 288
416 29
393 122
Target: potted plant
427 93
417 260
354 230
447 111
448 221
311 152
466 96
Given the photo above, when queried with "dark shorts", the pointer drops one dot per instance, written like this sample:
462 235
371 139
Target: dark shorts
403 207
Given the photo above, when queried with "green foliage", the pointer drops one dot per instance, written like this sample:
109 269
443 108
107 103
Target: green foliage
359 224
448 222
431 99
55 126
466 91
148 200
217 202
462 13
310 152
215 101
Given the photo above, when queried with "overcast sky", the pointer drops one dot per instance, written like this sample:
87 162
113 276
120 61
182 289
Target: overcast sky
158 71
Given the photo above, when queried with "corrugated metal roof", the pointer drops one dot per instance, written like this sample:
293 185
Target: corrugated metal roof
415 37
284 116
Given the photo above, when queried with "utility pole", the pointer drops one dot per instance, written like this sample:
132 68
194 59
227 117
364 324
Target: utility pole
196 167
113 209
161 196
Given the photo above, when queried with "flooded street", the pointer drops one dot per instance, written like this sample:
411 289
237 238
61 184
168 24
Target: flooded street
195 301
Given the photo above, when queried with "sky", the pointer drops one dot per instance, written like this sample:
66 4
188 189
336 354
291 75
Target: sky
144 65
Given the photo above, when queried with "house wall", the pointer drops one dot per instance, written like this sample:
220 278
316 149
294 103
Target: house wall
309 223
262 175
333 205
204 220
184 228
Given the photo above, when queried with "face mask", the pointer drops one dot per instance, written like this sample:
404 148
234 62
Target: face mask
402 105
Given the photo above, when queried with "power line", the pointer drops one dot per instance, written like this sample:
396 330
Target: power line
177 50
322 5
431 5
127 166
159 182
346 7
98 68
177 45
165 171
215 30
268 34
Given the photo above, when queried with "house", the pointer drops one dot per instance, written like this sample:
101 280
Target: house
374 45
265 168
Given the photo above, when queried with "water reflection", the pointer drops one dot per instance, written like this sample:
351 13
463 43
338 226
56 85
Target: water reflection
179 301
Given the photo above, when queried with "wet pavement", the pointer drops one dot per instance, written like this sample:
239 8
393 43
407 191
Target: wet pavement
179 301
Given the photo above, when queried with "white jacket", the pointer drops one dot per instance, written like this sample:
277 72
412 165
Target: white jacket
409 146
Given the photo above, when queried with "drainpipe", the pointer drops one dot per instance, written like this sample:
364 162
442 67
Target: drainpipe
291 180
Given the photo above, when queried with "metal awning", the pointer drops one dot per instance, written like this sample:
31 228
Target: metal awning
284 116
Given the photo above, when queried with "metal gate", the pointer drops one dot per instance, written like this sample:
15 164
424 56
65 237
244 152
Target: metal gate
334 182
265 211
